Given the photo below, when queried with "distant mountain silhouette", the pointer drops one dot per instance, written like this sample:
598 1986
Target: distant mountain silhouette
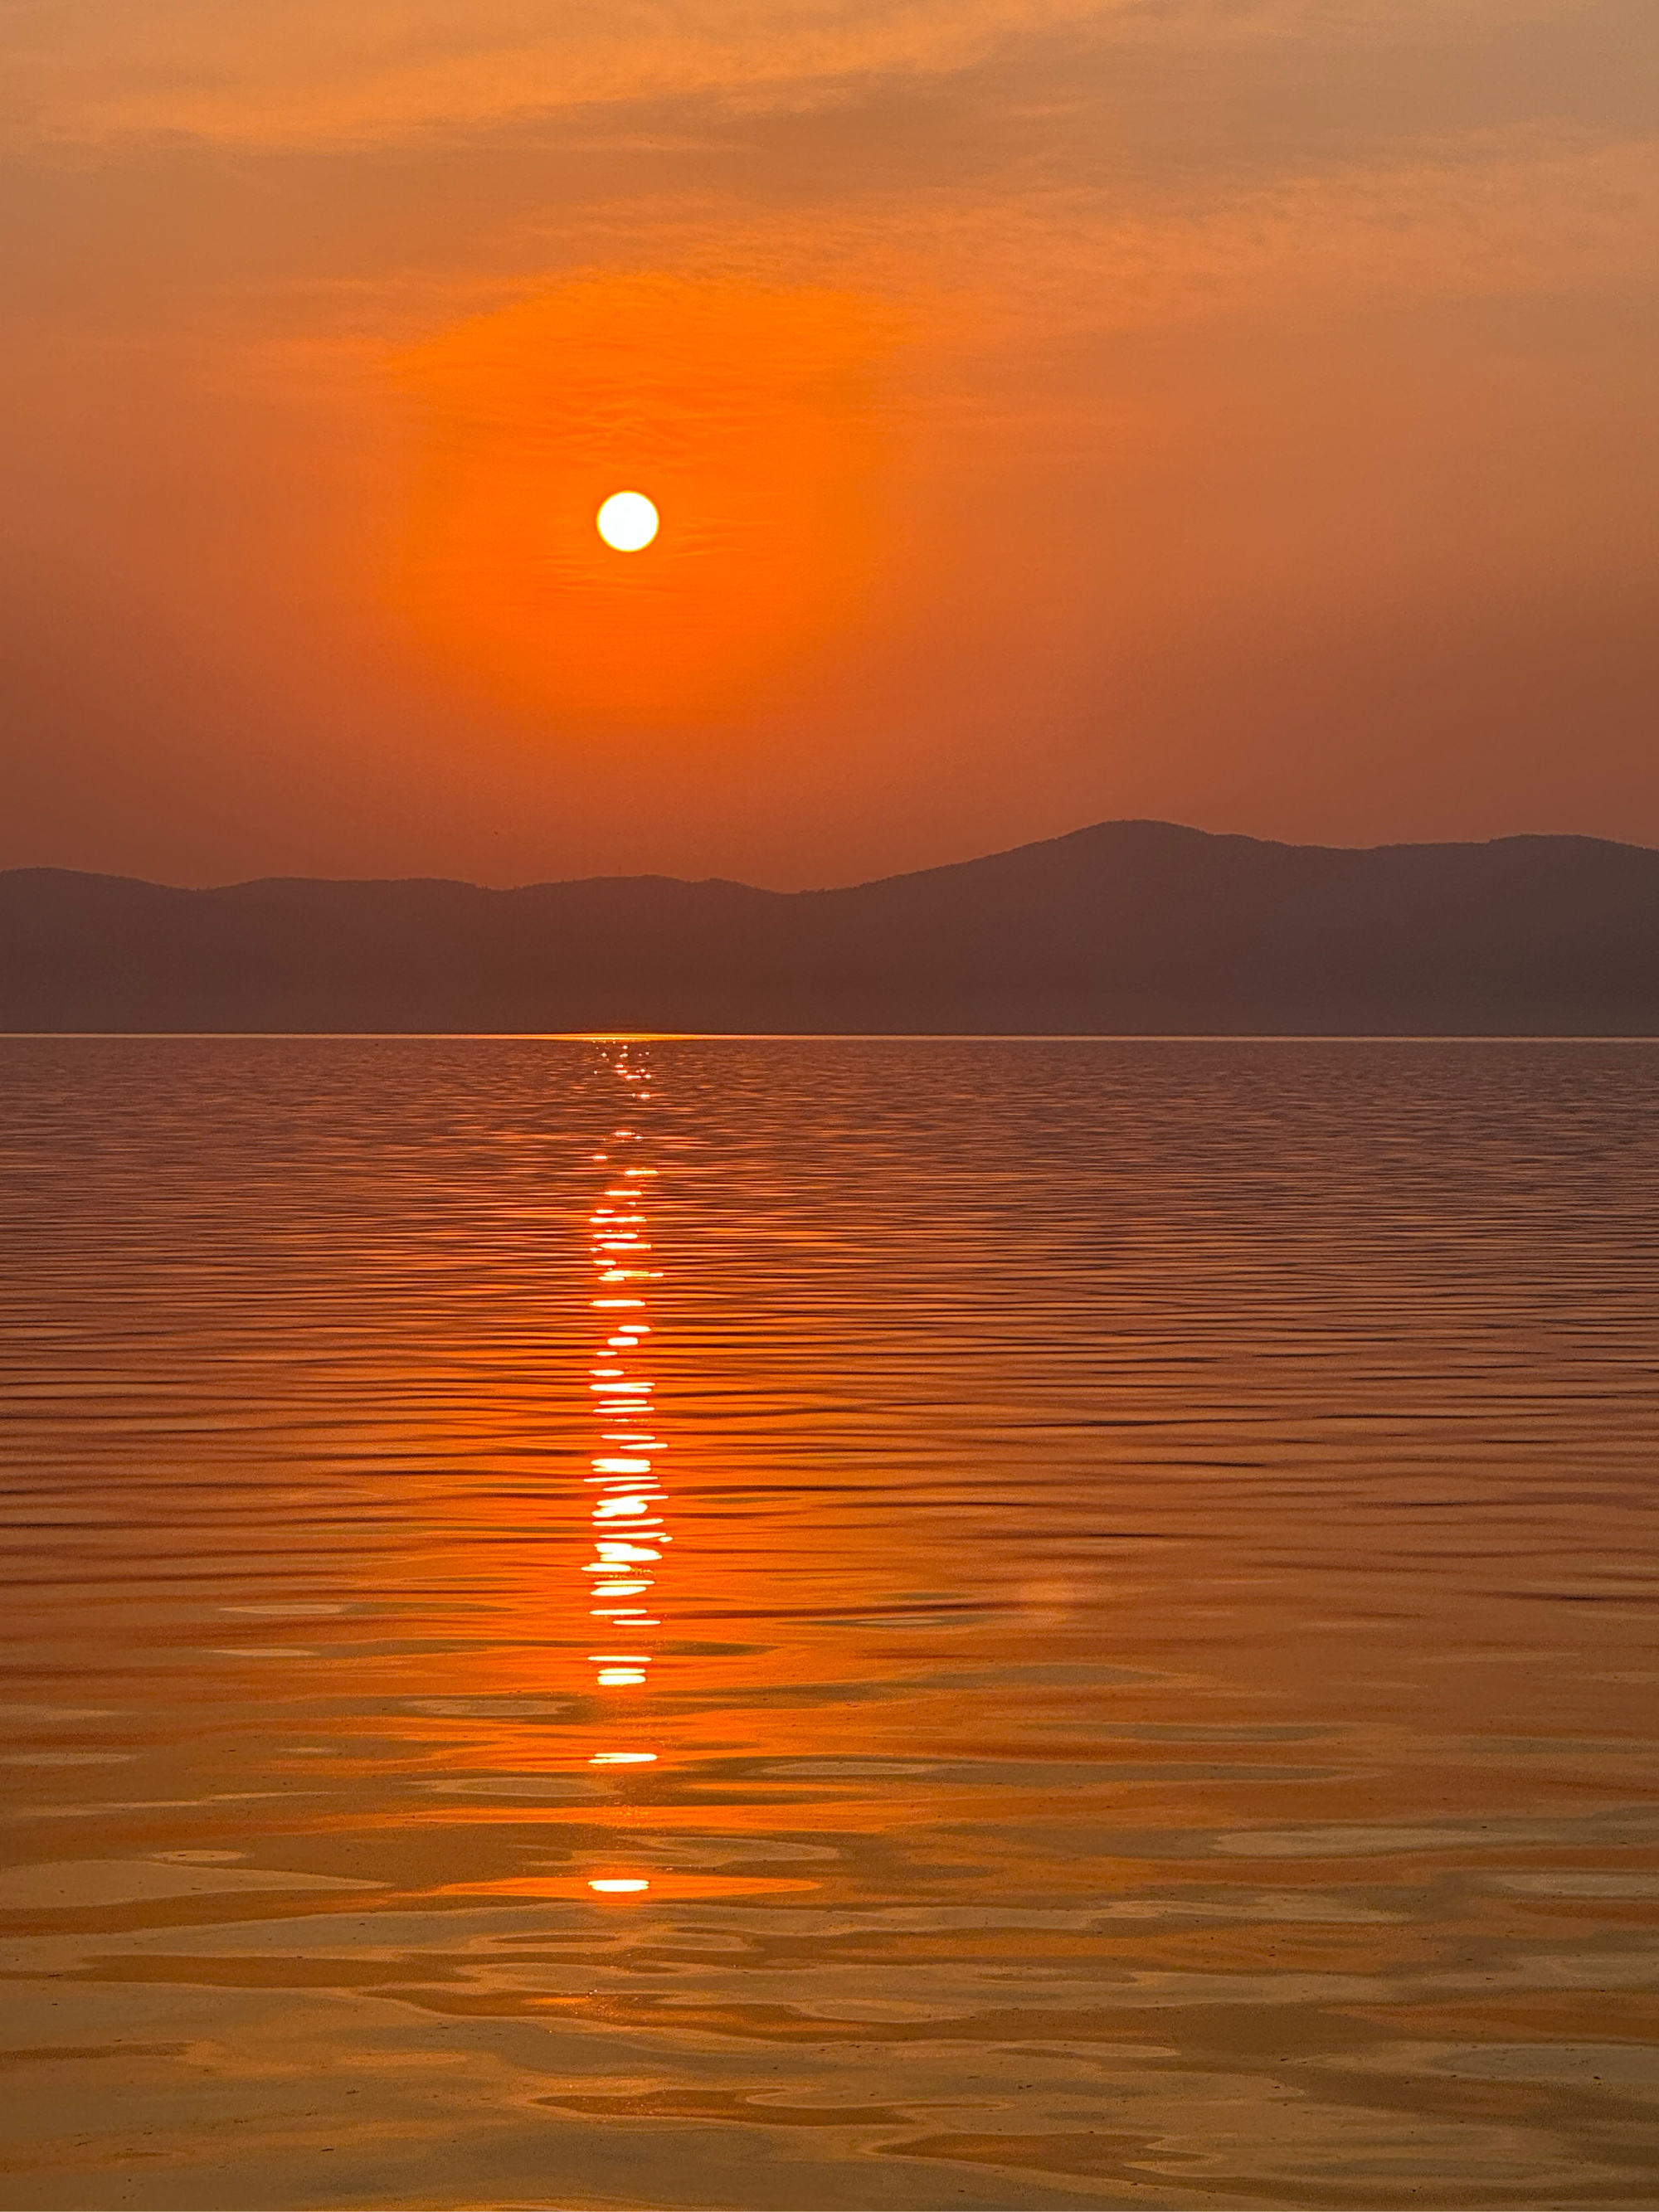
1129 927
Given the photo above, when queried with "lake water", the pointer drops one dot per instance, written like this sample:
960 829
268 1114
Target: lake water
830 1623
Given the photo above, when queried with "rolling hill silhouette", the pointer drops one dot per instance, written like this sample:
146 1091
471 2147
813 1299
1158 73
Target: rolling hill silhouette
1128 926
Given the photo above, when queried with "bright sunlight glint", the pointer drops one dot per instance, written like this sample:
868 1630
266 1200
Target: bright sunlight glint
628 521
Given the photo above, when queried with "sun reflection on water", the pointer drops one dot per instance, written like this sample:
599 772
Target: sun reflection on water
628 1532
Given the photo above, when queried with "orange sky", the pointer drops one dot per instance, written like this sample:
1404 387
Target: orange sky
1241 414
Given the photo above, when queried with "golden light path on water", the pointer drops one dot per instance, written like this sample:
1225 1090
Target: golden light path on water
628 1534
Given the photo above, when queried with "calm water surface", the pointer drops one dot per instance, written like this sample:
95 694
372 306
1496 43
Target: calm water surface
829 1624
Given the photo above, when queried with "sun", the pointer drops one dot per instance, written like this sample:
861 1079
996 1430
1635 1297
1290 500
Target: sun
628 521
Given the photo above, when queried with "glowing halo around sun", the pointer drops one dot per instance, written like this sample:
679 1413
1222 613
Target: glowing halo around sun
626 521
749 420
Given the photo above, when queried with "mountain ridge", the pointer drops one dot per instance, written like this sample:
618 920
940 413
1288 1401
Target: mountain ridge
1117 928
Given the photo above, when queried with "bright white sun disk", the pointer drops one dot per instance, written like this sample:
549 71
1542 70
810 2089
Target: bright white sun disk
628 521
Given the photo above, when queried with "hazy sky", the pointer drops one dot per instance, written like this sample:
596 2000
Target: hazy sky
1243 414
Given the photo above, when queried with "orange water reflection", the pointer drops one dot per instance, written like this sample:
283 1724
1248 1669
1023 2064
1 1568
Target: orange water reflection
1154 1700
627 1513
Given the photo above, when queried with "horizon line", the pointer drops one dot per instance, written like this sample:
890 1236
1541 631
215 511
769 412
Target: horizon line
859 1036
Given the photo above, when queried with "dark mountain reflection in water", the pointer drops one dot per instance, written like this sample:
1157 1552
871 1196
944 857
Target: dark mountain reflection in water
1089 1641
